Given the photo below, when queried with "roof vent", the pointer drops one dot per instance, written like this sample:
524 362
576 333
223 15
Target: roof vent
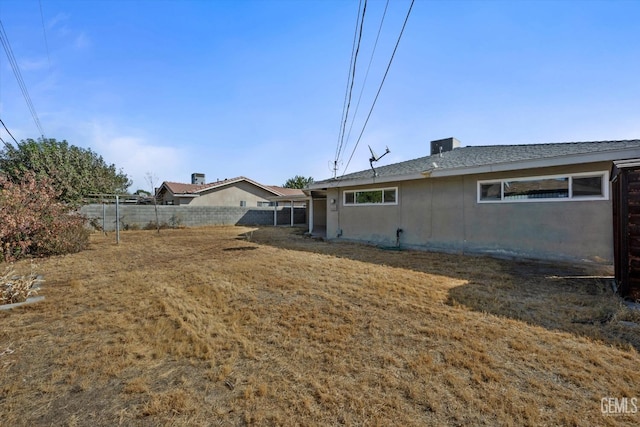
197 178
443 145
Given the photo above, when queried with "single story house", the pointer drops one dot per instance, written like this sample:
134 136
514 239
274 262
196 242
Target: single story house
240 191
541 201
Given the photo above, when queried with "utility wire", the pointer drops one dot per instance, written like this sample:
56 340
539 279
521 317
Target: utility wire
350 82
44 32
380 88
364 83
5 128
16 71
346 90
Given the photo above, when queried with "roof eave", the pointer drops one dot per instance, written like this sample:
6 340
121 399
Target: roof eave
295 198
339 183
573 159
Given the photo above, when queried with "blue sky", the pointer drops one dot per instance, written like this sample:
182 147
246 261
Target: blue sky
257 88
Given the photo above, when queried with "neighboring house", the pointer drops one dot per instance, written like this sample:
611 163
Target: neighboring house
238 191
544 201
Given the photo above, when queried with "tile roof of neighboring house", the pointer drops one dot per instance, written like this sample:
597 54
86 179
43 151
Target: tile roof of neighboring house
285 191
180 188
487 158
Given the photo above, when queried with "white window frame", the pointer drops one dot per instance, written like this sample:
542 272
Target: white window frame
383 203
571 198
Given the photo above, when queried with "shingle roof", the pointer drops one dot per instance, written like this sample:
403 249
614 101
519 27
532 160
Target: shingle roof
283 191
180 188
477 156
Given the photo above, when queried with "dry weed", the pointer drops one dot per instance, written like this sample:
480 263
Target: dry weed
15 287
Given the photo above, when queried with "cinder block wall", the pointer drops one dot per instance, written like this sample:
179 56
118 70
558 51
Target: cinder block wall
188 216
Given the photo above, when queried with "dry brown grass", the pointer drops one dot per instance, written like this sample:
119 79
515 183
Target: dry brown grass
15 287
203 327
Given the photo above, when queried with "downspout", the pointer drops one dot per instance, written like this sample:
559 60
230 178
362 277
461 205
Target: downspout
464 220
340 197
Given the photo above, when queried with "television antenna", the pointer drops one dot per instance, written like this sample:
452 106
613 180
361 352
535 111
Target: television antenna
334 166
374 158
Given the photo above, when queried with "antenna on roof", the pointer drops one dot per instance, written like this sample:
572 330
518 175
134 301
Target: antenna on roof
334 166
375 158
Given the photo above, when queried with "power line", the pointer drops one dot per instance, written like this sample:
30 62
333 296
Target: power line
350 81
44 32
16 71
346 91
380 88
364 83
5 128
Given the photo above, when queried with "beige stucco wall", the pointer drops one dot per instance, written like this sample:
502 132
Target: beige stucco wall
231 195
443 214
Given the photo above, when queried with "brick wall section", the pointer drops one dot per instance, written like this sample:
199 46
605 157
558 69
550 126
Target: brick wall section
189 216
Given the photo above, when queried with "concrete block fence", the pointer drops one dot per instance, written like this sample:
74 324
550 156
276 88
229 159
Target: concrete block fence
140 216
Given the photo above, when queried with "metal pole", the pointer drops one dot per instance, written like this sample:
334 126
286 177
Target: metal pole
275 214
310 205
104 217
117 220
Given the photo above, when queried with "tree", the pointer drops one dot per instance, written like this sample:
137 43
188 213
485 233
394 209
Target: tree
152 180
298 182
74 172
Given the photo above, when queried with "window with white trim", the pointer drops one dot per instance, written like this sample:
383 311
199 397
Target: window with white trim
375 196
578 186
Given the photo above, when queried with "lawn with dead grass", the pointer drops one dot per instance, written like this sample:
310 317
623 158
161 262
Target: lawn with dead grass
212 326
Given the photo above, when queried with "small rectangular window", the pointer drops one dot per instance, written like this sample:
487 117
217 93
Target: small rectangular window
384 196
372 196
390 195
579 186
587 186
537 189
349 198
490 191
